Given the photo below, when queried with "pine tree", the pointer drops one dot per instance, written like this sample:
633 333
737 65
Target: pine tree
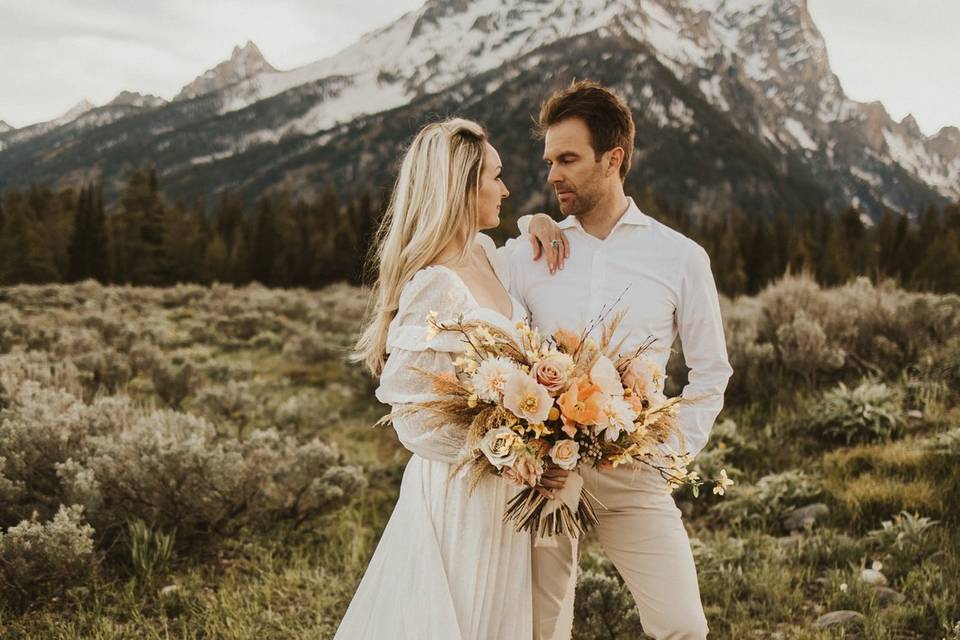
266 242
25 256
939 269
79 238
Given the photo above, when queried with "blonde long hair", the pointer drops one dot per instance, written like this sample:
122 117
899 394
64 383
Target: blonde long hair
434 201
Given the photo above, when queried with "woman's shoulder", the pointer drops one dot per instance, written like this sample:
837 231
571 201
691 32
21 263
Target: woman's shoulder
434 286
433 291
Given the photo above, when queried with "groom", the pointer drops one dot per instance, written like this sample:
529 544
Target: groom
614 247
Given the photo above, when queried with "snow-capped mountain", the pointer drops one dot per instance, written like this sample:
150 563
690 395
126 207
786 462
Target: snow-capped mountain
245 62
735 102
4 127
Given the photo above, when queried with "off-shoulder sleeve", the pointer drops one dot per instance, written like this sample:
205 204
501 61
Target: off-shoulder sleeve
411 347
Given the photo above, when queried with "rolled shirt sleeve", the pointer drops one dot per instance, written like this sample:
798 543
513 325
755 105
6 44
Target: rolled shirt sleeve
700 328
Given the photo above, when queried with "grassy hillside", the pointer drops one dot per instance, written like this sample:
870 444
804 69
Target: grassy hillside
232 485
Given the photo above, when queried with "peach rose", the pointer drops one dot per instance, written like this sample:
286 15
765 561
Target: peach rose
565 454
553 371
525 470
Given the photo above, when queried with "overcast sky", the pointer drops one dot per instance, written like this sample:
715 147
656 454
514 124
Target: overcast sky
53 53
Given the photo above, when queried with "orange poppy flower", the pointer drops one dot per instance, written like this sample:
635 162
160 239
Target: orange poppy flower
580 404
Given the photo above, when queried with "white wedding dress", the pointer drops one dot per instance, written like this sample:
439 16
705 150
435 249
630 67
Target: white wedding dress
447 567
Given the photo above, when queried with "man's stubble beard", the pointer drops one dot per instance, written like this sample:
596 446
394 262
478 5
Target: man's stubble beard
580 204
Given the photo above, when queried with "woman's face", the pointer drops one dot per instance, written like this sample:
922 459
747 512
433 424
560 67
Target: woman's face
492 190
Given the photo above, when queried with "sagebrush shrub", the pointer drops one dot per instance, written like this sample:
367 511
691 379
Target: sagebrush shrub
39 557
765 503
869 412
604 609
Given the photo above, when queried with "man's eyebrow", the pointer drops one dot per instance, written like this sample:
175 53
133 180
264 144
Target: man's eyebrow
564 153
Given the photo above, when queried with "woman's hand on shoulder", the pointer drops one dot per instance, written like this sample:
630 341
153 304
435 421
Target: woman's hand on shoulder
547 240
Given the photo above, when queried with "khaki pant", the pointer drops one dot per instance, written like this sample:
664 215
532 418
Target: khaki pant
643 535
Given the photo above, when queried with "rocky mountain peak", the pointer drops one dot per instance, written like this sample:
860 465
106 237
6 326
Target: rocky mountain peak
76 111
4 127
946 142
910 124
245 62
135 99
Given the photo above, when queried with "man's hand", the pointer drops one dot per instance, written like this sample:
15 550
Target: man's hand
553 479
547 239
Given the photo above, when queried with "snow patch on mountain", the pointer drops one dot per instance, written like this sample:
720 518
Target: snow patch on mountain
912 156
796 129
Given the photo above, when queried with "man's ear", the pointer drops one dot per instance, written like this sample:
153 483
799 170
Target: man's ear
614 160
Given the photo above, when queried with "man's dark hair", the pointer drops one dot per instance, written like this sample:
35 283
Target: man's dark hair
607 117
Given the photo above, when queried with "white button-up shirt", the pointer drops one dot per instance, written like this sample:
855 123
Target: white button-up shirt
665 286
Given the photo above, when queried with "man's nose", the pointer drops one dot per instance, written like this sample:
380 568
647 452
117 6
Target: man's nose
554 176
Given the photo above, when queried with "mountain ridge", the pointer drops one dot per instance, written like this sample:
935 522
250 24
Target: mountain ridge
761 69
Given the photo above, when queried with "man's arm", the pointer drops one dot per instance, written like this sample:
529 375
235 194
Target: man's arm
704 350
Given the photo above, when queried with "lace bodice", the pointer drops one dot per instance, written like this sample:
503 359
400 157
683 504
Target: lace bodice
438 289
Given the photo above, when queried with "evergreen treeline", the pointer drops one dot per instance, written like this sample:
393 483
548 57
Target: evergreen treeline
66 236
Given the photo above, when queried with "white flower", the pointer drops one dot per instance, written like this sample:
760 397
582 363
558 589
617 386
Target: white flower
604 375
497 446
526 398
619 418
490 377
722 483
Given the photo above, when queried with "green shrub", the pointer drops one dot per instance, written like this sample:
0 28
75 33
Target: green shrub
604 609
870 412
765 503
905 537
38 558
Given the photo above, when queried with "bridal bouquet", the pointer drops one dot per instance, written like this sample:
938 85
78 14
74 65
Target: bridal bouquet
528 400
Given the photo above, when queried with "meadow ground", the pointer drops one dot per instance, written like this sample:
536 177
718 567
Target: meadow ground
231 484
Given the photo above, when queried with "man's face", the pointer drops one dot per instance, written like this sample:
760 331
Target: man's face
576 175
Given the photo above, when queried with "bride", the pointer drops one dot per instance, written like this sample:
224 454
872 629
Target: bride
446 567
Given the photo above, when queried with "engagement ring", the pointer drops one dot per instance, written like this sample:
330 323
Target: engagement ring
555 244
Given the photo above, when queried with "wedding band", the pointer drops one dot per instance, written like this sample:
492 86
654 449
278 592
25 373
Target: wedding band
555 244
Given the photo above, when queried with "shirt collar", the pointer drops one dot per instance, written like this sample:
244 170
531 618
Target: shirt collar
632 216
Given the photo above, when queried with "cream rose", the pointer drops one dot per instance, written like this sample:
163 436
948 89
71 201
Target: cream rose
565 454
553 371
497 446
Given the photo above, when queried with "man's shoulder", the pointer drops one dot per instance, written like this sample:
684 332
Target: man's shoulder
521 251
685 245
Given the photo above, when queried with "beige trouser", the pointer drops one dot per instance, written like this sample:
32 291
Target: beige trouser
643 535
